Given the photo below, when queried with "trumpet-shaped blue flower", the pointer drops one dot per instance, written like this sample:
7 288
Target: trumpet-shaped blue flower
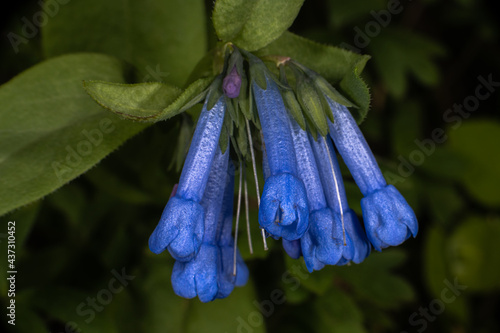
181 226
200 276
329 171
323 243
284 210
389 220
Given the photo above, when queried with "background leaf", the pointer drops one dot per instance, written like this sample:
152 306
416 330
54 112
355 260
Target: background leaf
399 53
337 312
477 141
474 253
163 39
252 24
46 142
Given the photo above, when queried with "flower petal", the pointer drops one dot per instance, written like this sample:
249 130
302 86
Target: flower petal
292 248
198 277
389 220
180 229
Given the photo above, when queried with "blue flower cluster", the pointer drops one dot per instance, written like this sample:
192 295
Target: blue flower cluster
195 226
303 200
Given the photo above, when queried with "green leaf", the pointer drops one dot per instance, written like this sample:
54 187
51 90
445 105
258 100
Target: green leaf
373 281
342 68
23 219
71 201
356 89
195 93
346 13
164 40
109 182
51 131
141 101
398 53
476 141
147 102
436 269
180 315
31 323
317 282
235 313
406 125
443 200
156 293
71 306
183 142
253 24
475 253
333 63
336 312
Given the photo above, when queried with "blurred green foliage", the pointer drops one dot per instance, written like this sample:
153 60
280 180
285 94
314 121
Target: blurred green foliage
435 134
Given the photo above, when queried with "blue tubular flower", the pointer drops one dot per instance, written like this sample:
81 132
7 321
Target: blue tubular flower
292 248
283 210
389 220
324 153
181 225
227 280
200 276
323 243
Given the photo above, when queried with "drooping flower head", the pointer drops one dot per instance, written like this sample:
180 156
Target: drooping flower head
199 276
303 200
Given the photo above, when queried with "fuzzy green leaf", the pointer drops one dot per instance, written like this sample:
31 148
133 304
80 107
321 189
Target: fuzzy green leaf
356 89
342 68
146 102
331 62
50 129
253 24
164 40
142 101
